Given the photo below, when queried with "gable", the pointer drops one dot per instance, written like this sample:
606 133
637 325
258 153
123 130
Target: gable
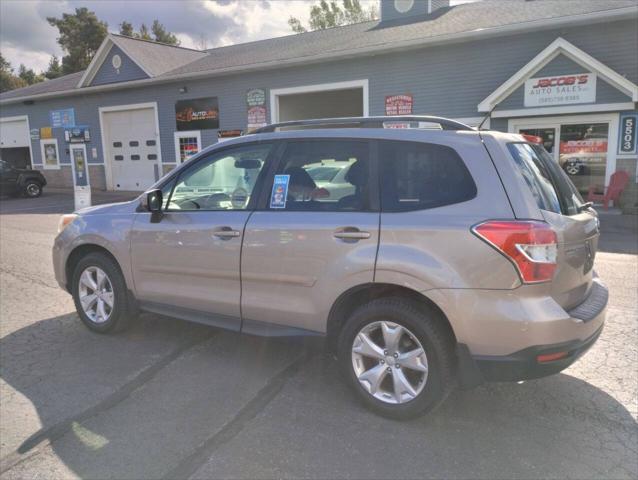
556 57
564 66
127 71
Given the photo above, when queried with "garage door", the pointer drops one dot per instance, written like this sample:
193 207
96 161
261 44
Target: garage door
14 133
132 148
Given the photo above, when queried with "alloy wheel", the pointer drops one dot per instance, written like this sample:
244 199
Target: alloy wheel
96 294
389 362
33 189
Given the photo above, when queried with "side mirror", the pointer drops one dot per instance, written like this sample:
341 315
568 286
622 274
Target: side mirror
154 204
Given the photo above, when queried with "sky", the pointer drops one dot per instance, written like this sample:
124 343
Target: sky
26 37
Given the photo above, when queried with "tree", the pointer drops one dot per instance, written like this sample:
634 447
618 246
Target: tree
54 70
329 14
9 81
161 35
126 29
81 34
28 75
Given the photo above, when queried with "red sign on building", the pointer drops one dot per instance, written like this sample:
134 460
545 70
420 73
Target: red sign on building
398 105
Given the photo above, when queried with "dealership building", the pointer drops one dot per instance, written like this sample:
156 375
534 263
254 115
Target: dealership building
564 71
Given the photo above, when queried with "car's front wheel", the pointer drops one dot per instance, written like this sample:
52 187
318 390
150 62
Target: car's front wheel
397 357
32 188
100 294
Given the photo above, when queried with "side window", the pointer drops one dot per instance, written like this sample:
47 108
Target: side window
221 181
536 176
323 175
417 176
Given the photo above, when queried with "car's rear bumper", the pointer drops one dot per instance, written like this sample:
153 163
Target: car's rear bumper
536 361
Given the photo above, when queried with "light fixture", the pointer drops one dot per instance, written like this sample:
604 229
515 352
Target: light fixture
183 89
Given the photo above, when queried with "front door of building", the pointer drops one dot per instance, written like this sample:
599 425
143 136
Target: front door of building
582 146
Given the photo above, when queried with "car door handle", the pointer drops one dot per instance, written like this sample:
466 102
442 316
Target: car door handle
226 232
351 233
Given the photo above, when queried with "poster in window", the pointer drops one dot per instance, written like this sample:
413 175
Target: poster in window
51 154
197 114
256 97
399 104
188 146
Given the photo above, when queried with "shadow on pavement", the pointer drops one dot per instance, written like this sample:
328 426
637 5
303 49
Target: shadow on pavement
140 404
618 233
57 202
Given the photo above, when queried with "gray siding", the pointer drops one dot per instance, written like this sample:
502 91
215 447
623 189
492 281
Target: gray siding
448 80
562 65
128 71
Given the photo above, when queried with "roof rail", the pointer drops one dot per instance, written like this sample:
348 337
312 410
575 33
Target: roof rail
365 122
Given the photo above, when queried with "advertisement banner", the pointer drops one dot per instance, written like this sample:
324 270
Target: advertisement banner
399 104
560 90
62 118
197 114
46 132
627 134
256 118
584 146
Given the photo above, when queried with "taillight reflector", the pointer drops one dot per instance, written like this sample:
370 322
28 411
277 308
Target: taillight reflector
550 357
529 244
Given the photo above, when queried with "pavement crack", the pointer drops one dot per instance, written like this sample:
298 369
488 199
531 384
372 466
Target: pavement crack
54 432
190 464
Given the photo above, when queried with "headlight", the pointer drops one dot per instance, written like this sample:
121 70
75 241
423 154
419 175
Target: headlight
66 220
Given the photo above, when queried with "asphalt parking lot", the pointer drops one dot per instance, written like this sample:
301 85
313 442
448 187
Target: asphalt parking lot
169 399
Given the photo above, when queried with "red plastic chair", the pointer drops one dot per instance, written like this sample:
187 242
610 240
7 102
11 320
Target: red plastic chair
617 183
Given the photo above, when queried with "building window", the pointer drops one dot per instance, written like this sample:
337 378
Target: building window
187 144
50 154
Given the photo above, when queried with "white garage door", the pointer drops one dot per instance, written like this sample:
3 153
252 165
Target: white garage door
131 148
14 133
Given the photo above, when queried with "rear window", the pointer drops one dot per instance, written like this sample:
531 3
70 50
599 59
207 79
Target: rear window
417 176
552 189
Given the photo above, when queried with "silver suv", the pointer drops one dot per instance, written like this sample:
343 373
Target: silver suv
454 256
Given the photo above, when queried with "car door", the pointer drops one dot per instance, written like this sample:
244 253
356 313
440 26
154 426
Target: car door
187 264
8 179
306 245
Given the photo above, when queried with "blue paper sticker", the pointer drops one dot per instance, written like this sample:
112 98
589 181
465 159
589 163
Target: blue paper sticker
279 191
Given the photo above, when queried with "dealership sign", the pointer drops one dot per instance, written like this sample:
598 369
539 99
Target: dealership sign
197 114
627 134
560 90
398 105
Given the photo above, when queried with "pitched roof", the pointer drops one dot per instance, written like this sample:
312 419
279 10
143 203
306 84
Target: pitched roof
485 17
156 58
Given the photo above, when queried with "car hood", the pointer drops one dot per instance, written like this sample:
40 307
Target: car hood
110 208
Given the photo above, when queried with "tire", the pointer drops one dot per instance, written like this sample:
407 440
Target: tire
32 189
572 168
122 312
422 324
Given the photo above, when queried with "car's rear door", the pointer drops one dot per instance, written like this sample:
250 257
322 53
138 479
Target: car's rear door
308 244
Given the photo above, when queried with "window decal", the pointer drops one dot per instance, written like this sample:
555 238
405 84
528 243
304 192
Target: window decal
279 191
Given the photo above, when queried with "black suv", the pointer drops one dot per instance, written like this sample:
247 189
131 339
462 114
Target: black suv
20 181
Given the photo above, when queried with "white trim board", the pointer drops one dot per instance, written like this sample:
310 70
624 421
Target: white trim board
564 110
321 87
119 108
560 46
25 118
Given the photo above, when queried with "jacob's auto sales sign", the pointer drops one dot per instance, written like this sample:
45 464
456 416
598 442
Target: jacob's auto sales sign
560 90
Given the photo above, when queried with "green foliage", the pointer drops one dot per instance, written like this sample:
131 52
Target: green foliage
9 81
81 34
157 33
29 76
328 14
54 70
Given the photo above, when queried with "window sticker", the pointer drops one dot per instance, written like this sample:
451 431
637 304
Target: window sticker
279 191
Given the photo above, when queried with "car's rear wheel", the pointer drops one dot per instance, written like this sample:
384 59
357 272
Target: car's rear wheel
573 168
397 357
32 188
100 294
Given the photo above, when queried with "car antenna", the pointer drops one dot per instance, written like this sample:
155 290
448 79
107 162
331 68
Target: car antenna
488 115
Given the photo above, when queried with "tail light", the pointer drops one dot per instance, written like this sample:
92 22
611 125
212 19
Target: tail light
530 245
